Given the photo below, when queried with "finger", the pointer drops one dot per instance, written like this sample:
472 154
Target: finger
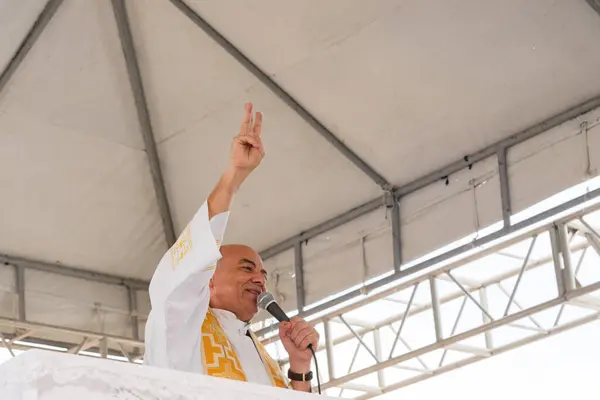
299 332
310 339
251 140
312 335
257 130
284 330
247 120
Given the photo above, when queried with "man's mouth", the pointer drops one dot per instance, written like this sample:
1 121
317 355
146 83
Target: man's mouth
254 291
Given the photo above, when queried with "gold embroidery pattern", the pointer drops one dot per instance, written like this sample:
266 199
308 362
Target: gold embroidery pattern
220 358
275 372
181 247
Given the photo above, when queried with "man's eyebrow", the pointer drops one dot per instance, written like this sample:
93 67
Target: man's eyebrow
247 261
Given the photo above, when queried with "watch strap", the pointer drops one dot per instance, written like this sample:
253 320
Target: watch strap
300 377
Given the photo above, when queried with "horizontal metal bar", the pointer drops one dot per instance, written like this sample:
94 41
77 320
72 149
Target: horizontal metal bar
324 227
484 240
436 176
73 272
40 327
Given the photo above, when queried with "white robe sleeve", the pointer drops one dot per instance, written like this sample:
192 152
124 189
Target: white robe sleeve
179 293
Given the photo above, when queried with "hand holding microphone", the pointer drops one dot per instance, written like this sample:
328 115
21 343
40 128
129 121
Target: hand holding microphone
297 336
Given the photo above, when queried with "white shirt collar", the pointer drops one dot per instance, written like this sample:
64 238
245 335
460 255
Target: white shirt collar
230 322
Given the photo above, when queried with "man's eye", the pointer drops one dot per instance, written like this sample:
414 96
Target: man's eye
247 268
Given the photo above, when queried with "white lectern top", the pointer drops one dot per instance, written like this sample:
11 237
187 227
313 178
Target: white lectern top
45 375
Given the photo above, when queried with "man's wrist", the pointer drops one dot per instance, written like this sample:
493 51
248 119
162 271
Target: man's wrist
232 179
300 368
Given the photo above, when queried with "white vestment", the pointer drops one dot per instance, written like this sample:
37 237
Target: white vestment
179 297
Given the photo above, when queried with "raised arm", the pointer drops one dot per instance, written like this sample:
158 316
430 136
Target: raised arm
179 292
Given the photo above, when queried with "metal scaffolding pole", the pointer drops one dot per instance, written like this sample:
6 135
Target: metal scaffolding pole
265 79
29 41
139 96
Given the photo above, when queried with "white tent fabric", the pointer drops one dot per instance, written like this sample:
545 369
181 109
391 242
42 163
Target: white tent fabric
409 86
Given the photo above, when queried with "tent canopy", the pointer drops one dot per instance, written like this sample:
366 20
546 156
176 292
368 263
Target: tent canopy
358 97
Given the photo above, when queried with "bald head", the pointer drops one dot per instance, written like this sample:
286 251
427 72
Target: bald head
238 280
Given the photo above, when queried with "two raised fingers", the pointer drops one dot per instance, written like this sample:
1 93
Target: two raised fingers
249 126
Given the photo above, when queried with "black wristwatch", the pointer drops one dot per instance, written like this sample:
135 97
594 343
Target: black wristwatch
300 377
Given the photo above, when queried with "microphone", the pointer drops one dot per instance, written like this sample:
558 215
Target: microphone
267 302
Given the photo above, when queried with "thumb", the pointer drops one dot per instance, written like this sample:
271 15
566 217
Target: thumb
284 328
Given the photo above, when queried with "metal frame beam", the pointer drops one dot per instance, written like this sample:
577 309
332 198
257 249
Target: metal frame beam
595 4
20 285
355 213
73 272
436 176
137 87
465 290
299 278
457 251
440 273
29 41
504 186
282 94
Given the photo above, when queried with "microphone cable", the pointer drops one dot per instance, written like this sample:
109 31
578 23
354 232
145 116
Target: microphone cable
316 367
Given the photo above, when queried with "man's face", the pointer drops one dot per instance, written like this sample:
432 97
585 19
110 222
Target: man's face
237 281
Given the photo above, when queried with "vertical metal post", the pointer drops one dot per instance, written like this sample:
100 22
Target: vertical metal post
568 278
133 311
329 349
555 244
396 234
504 187
379 354
435 307
20 285
103 347
489 343
299 267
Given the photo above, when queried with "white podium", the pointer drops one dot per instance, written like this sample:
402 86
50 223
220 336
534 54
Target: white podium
44 375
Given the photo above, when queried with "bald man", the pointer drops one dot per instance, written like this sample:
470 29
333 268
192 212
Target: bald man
203 295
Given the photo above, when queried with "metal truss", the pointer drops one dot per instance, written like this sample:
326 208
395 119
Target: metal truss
531 286
528 288
26 335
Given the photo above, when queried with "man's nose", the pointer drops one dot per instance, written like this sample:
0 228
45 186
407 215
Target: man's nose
259 279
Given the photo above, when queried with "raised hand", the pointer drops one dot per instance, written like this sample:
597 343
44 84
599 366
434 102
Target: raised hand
246 154
247 150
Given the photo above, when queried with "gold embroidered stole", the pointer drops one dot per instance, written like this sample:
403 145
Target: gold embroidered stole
219 358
